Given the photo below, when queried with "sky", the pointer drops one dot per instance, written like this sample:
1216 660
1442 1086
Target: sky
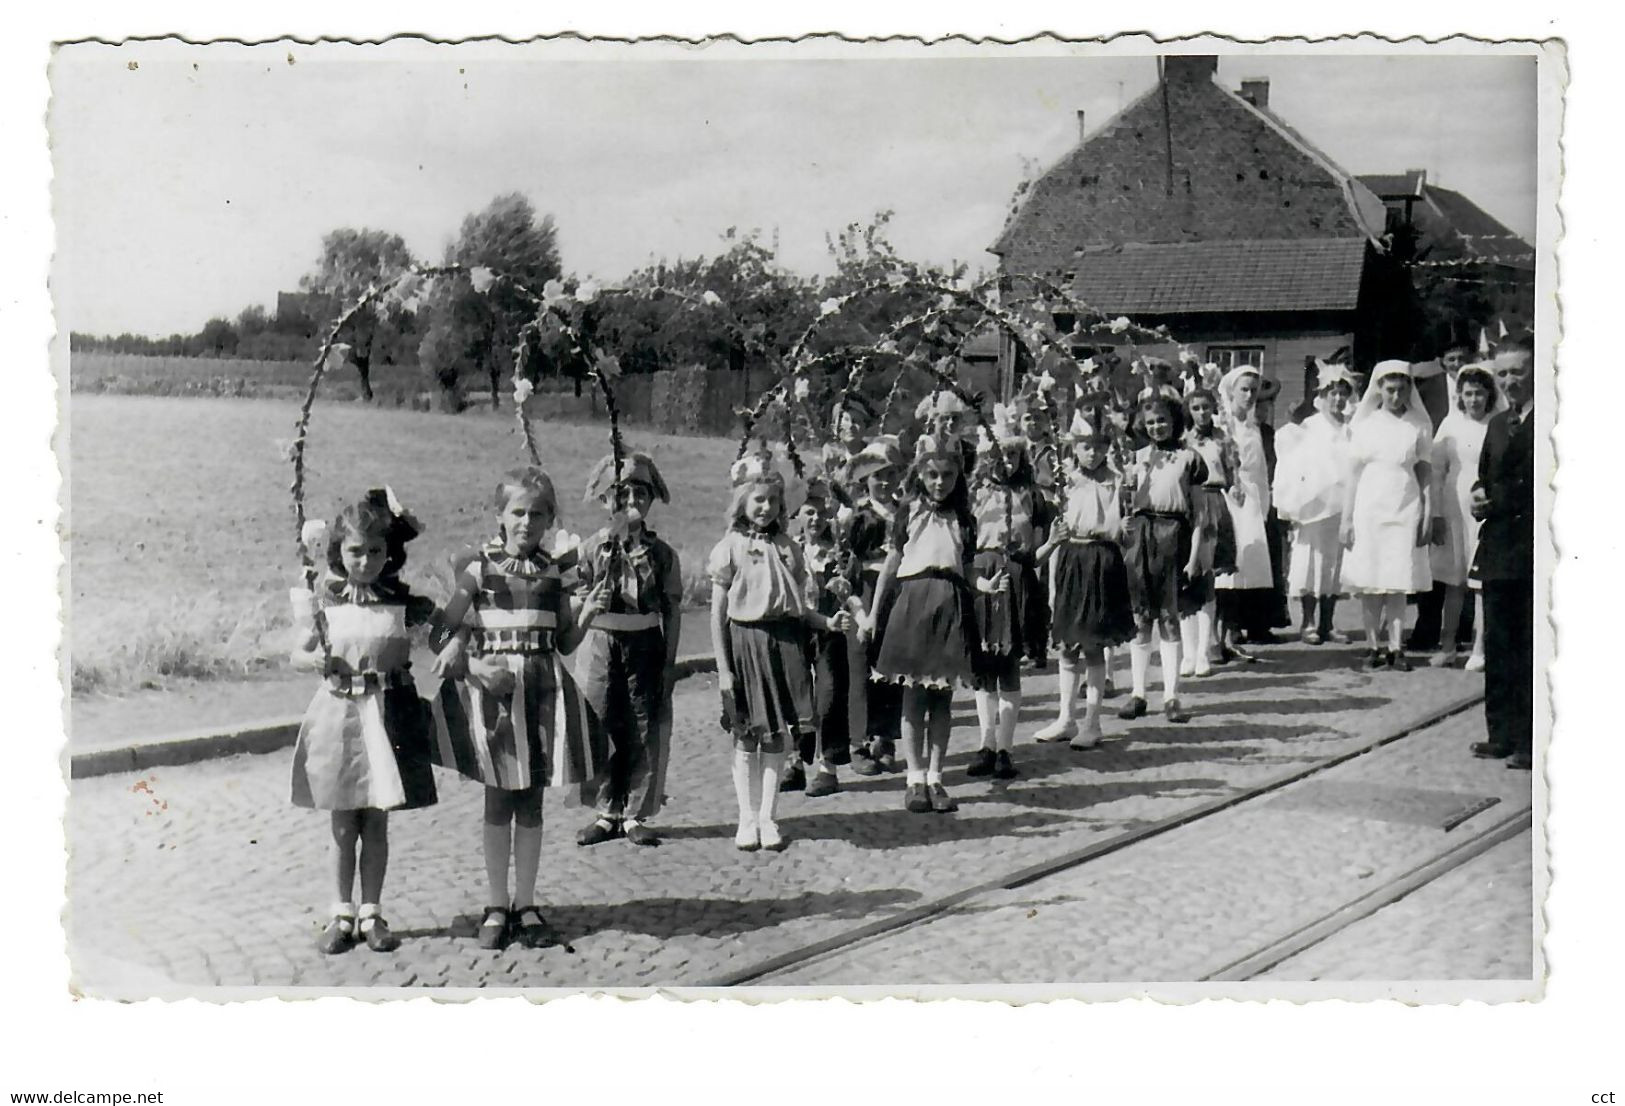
199 180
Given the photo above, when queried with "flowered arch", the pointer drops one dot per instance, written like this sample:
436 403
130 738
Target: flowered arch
557 321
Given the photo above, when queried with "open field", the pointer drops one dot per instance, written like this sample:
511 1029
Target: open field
139 374
180 526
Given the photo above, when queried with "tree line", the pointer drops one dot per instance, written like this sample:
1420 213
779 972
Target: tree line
457 338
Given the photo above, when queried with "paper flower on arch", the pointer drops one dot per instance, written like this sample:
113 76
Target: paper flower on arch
337 354
313 535
523 389
481 278
803 388
1120 324
829 306
711 299
561 543
587 291
554 295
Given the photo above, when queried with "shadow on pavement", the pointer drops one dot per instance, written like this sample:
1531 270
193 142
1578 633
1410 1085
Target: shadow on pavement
675 917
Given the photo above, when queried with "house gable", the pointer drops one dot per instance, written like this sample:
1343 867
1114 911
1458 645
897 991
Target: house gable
1231 171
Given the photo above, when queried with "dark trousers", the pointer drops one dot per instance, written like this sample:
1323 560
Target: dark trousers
1429 610
622 677
1035 620
1509 664
832 691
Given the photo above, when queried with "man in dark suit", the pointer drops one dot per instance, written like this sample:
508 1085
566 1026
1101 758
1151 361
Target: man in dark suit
1504 498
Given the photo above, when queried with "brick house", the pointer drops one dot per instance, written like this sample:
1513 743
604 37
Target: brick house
1199 208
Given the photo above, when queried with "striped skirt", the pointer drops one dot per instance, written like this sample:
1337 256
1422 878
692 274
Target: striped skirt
540 734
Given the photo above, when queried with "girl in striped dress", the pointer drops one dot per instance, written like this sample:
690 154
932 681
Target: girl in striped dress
520 723
363 747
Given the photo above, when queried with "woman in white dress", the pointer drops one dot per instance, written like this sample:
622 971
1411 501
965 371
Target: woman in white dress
1249 501
1456 446
1311 482
1387 517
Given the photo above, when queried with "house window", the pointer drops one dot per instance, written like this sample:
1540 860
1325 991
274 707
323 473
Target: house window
1228 357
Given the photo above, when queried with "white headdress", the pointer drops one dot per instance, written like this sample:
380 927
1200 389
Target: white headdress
1371 401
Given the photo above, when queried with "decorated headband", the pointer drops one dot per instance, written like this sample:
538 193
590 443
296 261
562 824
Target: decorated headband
1328 373
939 405
753 468
938 447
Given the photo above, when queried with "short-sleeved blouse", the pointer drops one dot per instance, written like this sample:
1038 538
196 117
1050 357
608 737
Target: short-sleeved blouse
934 541
1094 509
1166 477
764 575
1217 452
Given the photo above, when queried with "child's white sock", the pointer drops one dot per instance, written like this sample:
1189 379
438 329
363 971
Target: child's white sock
1204 637
915 776
1187 644
1170 669
1139 664
1069 688
767 797
1009 713
1094 686
987 716
933 777
745 771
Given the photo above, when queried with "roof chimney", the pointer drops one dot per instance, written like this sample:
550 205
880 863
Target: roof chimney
1256 91
1189 68
1082 130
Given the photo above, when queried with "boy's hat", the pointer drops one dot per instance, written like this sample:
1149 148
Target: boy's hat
883 453
636 468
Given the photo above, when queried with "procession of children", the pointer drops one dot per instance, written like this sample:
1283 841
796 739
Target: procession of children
853 594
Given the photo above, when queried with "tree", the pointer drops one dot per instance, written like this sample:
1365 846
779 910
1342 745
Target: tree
771 303
472 330
218 337
351 262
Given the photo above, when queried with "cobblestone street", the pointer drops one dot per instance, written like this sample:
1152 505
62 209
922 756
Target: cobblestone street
205 875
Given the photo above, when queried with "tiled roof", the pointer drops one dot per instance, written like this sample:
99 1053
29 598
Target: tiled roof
1259 275
1395 185
1455 227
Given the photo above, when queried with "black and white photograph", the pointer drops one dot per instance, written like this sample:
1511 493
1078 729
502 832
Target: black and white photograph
831 517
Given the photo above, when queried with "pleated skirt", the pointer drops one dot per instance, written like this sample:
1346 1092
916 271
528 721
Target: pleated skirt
1091 596
773 665
927 633
1156 548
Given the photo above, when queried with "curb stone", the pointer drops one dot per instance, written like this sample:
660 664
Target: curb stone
265 736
